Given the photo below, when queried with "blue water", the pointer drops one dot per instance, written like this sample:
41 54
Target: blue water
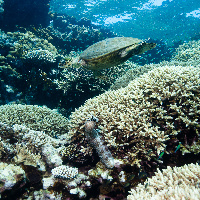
167 20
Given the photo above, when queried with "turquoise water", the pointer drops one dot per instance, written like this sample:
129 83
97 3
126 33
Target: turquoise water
168 20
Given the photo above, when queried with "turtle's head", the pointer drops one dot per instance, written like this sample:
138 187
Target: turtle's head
82 62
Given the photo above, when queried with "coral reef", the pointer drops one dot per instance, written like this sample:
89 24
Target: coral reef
27 46
10 176
148 119
38 118
30 146
28 69
188 53
29 65
137 121
172 183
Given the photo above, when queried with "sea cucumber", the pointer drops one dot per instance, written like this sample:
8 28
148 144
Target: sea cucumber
97 142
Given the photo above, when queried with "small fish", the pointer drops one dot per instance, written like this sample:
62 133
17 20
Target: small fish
161 155
142 175
131 177
178 147
126 185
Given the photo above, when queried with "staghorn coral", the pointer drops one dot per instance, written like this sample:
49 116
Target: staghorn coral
138 120
38 118
172 183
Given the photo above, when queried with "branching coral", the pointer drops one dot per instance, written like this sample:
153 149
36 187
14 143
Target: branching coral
136 121
38 118
28 46
31 147
172 183
71 75
188 53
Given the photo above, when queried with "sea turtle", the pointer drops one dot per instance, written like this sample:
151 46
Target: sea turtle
111 52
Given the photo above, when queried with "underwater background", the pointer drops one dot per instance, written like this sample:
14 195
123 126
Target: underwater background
130 133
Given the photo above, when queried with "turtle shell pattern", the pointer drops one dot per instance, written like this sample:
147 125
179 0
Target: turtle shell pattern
108 53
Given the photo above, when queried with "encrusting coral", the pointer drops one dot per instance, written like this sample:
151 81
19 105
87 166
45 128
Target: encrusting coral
138 120
172 183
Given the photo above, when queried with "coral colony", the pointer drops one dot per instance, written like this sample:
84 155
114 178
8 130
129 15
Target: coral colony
149 124
133 134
